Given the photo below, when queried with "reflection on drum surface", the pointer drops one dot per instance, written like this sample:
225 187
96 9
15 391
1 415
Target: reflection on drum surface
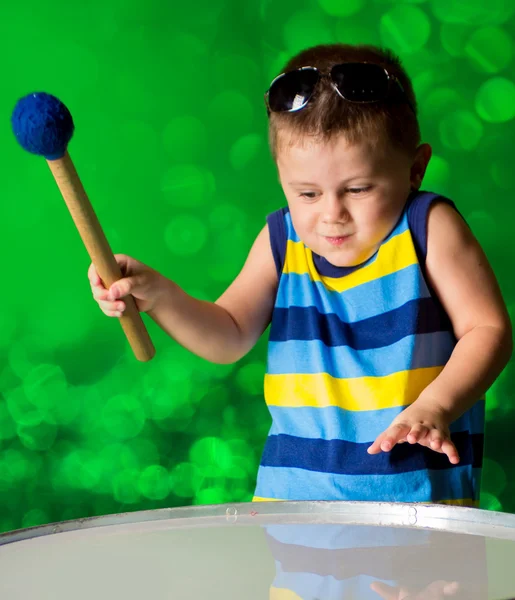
279 551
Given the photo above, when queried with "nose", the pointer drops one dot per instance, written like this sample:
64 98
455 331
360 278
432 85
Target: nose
334 210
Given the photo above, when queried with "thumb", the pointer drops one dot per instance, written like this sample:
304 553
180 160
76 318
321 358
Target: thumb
123 287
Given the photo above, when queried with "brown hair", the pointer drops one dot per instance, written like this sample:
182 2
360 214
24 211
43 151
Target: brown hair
327 115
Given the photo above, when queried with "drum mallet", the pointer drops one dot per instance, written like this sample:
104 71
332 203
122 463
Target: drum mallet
43 125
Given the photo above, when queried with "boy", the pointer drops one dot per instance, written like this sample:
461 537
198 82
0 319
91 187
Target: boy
387 323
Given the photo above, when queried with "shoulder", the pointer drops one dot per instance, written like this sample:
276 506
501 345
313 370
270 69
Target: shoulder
446 228
459 272
420 205
450 239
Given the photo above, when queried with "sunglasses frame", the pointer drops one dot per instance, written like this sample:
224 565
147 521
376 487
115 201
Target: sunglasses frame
391 79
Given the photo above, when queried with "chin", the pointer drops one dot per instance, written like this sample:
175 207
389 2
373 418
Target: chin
341 262
346 259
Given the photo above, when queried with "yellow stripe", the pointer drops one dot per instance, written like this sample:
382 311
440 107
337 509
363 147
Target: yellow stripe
282 594
359 393
396 254
460 502
260 499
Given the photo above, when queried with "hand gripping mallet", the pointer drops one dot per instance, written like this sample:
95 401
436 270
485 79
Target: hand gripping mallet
43 125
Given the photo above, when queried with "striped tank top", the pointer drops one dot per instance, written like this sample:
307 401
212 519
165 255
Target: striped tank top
349 349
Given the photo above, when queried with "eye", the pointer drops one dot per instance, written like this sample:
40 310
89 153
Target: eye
308 195
358 191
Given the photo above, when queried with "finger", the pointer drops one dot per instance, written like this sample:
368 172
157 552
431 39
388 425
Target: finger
450 449
451 588
439 589
123 262
417 433
385 591
100 293
393 435
376 446
436 439
93 275
427 443
111 309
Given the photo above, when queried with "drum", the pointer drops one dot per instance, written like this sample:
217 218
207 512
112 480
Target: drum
277 550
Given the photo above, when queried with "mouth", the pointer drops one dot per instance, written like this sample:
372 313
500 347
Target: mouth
337 240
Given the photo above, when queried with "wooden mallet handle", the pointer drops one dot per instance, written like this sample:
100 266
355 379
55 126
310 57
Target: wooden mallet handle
99 251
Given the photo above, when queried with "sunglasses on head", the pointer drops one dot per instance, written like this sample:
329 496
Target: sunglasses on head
355 82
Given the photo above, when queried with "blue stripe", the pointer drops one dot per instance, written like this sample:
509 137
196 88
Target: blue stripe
412 352
397 562
277 234
291 234
342 537
348 458
356 303
360 427
416 486
415 317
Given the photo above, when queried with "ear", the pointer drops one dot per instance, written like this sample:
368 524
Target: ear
419 166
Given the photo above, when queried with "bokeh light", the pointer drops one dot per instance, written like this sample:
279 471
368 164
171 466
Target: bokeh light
495 100
249 378
490 49
186 185
461 130
438 174
244 150
473 12
185 234
154 483
405 29
123 416
335 8
439 102
185 480
454 37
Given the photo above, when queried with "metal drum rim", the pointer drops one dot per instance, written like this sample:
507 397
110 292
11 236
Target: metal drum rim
455 519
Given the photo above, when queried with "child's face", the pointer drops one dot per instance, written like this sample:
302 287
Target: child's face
338 189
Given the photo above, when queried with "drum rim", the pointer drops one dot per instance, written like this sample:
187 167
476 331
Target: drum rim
454 519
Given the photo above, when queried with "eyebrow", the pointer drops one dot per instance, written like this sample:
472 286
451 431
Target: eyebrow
346 181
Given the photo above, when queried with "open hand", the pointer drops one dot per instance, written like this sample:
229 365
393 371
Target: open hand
418 425
435 591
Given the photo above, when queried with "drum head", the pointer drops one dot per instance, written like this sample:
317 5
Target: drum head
279 550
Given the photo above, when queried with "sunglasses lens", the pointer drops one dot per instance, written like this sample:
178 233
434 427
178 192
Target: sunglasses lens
361 82
292 90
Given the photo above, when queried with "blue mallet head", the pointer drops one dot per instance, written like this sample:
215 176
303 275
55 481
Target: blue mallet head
42 125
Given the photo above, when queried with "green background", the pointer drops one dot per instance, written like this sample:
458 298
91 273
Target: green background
171 145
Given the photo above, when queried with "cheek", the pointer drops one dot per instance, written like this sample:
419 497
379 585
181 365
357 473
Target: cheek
377 230
374 221
304 220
